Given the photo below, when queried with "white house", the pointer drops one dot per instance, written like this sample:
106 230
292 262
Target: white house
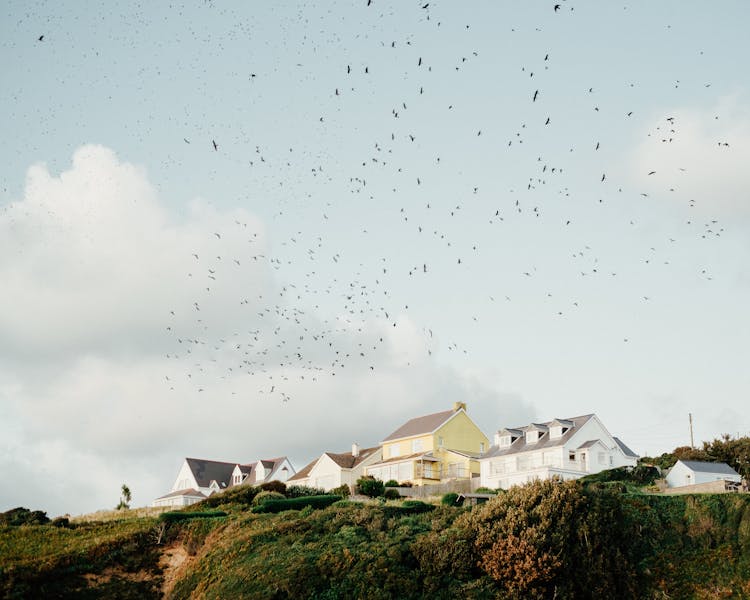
692 472
199 478
566 448
331 470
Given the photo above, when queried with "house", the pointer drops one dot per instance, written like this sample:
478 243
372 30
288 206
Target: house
431 449
331 470
566 448
692 472
199 478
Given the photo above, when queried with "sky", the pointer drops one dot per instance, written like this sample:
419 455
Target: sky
241 230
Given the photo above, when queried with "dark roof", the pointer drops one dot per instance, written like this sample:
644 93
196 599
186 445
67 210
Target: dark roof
626 451
709 467
206 471
588 444
421 425
190 492
304 471
346 460
544 441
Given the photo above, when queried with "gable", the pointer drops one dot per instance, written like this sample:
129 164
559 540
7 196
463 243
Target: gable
420 425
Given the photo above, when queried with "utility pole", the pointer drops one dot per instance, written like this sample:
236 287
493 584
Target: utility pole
690 416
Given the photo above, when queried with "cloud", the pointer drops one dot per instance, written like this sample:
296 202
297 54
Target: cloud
686 144
102 384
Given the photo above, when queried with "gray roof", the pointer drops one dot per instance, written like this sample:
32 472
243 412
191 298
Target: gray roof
189 492
345 460
544 441
421 425
588 444
625 450
709 467
206 471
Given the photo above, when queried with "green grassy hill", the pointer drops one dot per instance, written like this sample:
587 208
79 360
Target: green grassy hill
569 540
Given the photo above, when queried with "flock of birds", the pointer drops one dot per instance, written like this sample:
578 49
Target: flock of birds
324 312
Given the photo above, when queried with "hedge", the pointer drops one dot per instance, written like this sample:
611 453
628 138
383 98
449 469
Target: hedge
172 517
274 506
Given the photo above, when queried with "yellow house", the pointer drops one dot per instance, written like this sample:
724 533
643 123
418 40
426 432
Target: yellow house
433 448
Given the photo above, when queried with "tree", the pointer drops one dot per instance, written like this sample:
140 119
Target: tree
367 485
125 497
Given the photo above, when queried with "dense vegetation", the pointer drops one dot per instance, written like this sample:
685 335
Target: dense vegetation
592 539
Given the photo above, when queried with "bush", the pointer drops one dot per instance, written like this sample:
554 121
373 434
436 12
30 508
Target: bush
274 486
391 494
173 517
416 506
61 522
240 494
299 491
486 490
342 490
391 483
369 486
279 505
263 497
23 516
449 499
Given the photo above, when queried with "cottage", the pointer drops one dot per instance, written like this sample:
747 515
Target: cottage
566 448
433 448
331 469
693 472
199 478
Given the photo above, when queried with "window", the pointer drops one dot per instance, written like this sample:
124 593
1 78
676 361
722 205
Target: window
481 447
601 458
532 437
611 461
440 441
416 445
395 450
571 455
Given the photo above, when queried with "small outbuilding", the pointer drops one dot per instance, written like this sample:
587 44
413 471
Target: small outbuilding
693 472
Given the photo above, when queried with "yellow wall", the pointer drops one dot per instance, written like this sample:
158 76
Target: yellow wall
460 433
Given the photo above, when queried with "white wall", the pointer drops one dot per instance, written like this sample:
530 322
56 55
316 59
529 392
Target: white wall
680 475
185 479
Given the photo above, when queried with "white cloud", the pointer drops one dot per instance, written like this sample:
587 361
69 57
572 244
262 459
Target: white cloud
694 143
93 264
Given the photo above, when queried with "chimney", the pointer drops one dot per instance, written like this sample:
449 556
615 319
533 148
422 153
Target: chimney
497 438
355 449
458 406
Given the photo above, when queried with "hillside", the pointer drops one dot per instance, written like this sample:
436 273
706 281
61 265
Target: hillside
571 540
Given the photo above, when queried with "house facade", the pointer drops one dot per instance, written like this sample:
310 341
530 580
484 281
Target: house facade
199 478
332 469
431 449
565 448
693 472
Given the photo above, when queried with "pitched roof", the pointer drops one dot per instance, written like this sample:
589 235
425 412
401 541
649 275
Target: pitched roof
190 492
206 471
421 425
588 444
304 471
625 450
709 467
346 460
544 441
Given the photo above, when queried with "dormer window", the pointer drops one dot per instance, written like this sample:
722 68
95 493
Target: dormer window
504 441
532 437
557 431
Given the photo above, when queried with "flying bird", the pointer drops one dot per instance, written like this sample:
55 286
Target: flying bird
216 146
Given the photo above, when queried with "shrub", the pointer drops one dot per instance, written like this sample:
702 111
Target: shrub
263 497
342 490
274 486
61 522
486 490
173 517
391 483
449 499
240 494
416 506
23 516
298 491
279 505
369 486
391 494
